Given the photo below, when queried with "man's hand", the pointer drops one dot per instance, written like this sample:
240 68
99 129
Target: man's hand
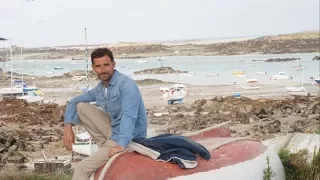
68 136
115 150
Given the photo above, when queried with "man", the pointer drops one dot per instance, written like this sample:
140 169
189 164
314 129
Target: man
119 117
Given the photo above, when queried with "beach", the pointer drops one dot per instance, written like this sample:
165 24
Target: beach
27 129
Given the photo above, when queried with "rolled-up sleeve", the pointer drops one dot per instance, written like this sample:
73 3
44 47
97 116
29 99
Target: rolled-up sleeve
71 116
130 101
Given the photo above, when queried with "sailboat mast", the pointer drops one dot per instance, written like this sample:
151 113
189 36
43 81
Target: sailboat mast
87 66
11 63
21 61
160 54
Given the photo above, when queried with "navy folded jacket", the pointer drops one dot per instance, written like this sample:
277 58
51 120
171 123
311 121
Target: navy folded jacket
174 148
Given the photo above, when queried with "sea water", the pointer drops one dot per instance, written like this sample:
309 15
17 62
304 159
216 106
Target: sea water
200 65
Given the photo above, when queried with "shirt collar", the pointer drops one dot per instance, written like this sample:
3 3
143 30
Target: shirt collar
114 77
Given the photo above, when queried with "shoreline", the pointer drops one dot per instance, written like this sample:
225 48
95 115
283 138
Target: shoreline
305 42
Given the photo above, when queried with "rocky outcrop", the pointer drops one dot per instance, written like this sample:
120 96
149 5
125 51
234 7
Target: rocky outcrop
161 70
259 119
316 58
281 59
26 128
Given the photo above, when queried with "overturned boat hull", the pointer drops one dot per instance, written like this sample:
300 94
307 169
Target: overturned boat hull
232 158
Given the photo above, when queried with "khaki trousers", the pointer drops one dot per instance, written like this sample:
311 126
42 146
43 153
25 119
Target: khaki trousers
97 123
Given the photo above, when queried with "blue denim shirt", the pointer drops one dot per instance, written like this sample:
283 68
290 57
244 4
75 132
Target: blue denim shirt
124 104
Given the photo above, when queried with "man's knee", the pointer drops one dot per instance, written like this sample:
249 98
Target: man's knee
81 106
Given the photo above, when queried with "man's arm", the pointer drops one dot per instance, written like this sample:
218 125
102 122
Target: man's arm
130 100
71 116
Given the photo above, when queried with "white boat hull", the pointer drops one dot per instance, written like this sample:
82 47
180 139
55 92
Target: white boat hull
261 73
250 87
31 99
189 74
241 75
249 170
214 74
295 89
13 91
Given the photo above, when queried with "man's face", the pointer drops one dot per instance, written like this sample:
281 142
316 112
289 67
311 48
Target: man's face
103 67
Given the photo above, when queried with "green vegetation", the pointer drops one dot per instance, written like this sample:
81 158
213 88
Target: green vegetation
9 175
297 167
268 172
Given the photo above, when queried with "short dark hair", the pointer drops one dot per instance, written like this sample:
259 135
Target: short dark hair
100 52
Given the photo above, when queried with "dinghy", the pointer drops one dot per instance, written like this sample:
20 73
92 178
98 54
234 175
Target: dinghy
231 159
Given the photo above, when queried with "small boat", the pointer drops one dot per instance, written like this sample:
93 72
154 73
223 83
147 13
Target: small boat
232 83
16 90
281 76
252 80
212 74
58 68
29 88
295 89
261 73
189 74
141 61
250 87
317 80
242 75
238 72
18 82
245 158
299 68
78 78
177 92
32 97
302 93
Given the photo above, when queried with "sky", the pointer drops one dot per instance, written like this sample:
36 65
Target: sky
61 22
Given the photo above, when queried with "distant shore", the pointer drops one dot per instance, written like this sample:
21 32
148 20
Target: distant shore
307 42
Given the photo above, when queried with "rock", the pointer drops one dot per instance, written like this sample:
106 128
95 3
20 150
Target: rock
281 59
30 148
13 148
48 138
5 157
16 159
3 139
219 98
274 127
214 98
251 120
316 58
304 114
174 109
257 127
199 103
260 111
22 166
180 115
250 109
161 70
245 133
316 109
242 110
233 131
277 112
22 146
313 105
296 128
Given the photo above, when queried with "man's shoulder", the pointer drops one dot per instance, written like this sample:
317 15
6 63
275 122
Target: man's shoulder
123 78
